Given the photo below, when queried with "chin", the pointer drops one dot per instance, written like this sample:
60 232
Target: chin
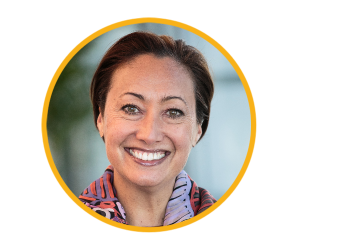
150 179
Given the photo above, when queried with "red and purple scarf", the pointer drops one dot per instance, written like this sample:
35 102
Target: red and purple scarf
187 199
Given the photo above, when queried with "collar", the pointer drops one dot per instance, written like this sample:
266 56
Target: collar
183 204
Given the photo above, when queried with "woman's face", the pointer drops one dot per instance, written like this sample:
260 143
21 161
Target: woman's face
149 122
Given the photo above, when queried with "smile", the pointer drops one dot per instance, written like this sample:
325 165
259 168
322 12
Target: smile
148 158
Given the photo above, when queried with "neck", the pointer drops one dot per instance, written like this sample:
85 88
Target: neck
144 206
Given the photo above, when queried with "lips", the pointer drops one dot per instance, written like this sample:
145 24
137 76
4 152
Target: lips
148 157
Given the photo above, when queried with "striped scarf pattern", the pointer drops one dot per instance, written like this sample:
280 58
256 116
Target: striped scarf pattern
186 201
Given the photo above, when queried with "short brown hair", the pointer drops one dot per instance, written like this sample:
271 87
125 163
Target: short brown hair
138 43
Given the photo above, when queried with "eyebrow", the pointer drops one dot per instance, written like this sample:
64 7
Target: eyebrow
164 99
133 94
167 98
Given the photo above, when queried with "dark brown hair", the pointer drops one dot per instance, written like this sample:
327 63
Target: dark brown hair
138 43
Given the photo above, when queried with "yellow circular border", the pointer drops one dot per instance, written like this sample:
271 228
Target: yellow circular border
159 21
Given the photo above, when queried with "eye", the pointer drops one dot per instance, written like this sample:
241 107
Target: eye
130 109
174 113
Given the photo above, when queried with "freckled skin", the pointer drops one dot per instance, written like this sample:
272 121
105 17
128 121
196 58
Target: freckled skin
150 127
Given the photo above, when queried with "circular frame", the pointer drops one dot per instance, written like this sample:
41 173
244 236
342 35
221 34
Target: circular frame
96 34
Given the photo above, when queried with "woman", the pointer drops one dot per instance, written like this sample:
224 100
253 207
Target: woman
151 99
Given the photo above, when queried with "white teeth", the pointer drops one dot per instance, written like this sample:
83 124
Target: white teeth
160 155
147 156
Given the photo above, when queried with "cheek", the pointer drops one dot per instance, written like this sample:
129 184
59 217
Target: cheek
181 136
116 132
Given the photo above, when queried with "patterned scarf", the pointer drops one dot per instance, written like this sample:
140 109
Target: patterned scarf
187 199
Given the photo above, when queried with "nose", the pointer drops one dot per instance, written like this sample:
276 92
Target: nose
150 129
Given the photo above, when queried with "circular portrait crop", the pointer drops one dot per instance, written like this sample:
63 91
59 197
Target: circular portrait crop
149 124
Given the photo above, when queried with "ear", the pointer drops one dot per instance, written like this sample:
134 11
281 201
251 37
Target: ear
198 134
100 123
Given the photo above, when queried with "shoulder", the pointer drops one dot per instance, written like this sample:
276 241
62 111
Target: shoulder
200 198
207 200
101 197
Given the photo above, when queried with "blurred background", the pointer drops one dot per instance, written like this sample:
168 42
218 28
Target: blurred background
78 151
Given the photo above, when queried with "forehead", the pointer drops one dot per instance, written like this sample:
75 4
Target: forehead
151 75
